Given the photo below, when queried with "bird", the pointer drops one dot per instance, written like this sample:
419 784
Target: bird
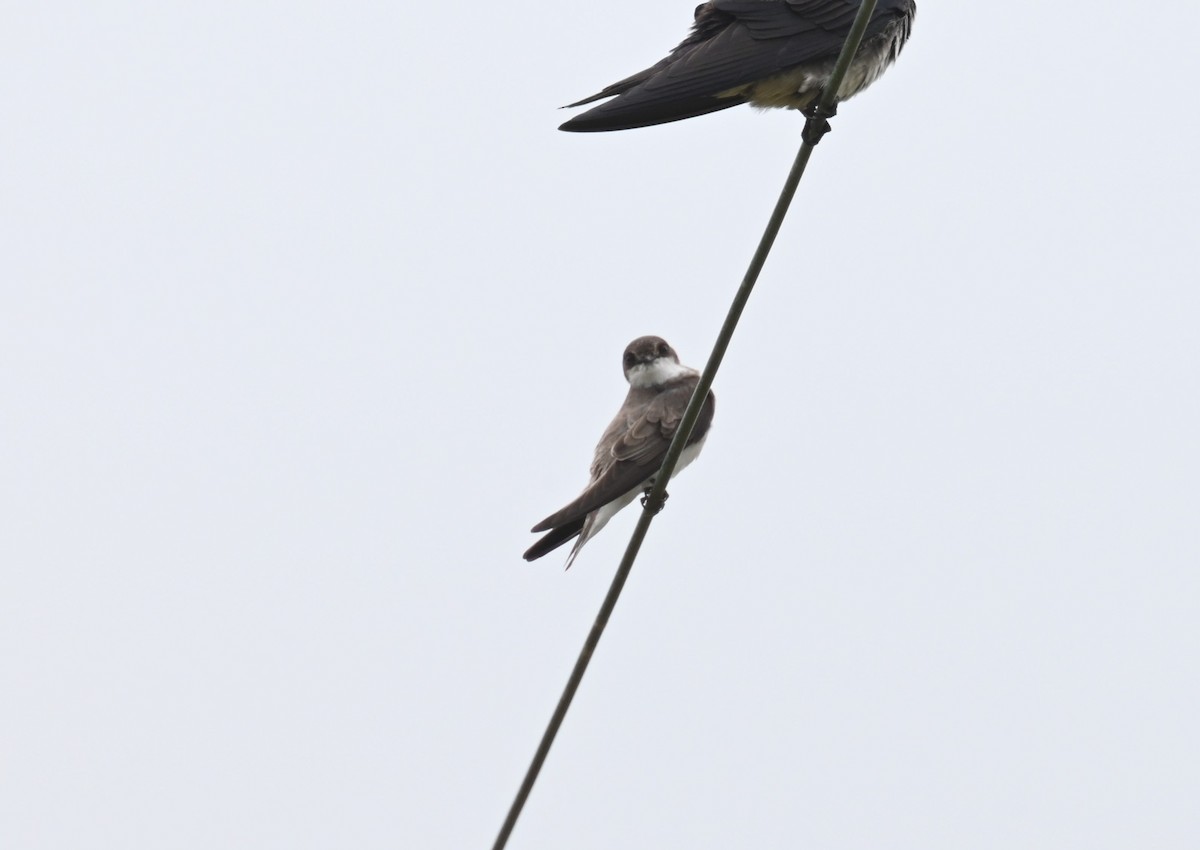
632 449
768 53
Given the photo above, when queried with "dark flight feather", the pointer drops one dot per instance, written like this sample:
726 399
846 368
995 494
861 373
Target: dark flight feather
637 455
634 459
557 537
734 43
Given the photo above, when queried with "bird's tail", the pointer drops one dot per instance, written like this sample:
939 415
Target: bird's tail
557 537
585 534
630 112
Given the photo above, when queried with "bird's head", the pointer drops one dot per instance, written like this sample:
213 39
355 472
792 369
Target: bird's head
650 362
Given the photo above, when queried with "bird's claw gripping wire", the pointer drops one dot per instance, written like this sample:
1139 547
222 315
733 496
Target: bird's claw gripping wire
817 124
646 500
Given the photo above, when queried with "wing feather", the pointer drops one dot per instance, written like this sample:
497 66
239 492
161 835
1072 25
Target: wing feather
557 537
636 455
734 43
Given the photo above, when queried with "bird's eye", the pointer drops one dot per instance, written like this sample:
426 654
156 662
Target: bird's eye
664 350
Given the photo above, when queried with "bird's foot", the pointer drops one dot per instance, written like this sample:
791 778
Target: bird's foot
646 500
817 124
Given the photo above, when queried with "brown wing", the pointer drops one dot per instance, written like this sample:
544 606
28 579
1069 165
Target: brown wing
557 537
636 453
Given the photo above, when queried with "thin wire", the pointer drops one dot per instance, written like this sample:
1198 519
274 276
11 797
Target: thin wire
653 503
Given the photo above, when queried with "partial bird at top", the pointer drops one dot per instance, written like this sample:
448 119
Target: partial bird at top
762 52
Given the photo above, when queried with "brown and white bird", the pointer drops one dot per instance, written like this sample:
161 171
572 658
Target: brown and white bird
633 446
764 52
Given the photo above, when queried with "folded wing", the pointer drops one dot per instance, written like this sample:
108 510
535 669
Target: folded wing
634 458
733 43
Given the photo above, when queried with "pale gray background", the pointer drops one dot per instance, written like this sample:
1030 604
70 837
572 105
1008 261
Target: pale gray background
309 313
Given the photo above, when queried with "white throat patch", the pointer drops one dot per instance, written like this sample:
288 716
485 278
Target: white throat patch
657 372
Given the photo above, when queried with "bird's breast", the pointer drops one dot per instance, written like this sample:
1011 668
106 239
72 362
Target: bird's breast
799 87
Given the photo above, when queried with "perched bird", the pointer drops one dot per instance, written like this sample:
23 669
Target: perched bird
633 446
763 52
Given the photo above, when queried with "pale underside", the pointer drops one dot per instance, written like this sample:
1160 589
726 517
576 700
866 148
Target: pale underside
599 518
799 88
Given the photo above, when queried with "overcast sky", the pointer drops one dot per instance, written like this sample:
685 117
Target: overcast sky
309 312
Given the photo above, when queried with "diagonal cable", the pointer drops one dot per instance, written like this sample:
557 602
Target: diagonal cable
652 504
